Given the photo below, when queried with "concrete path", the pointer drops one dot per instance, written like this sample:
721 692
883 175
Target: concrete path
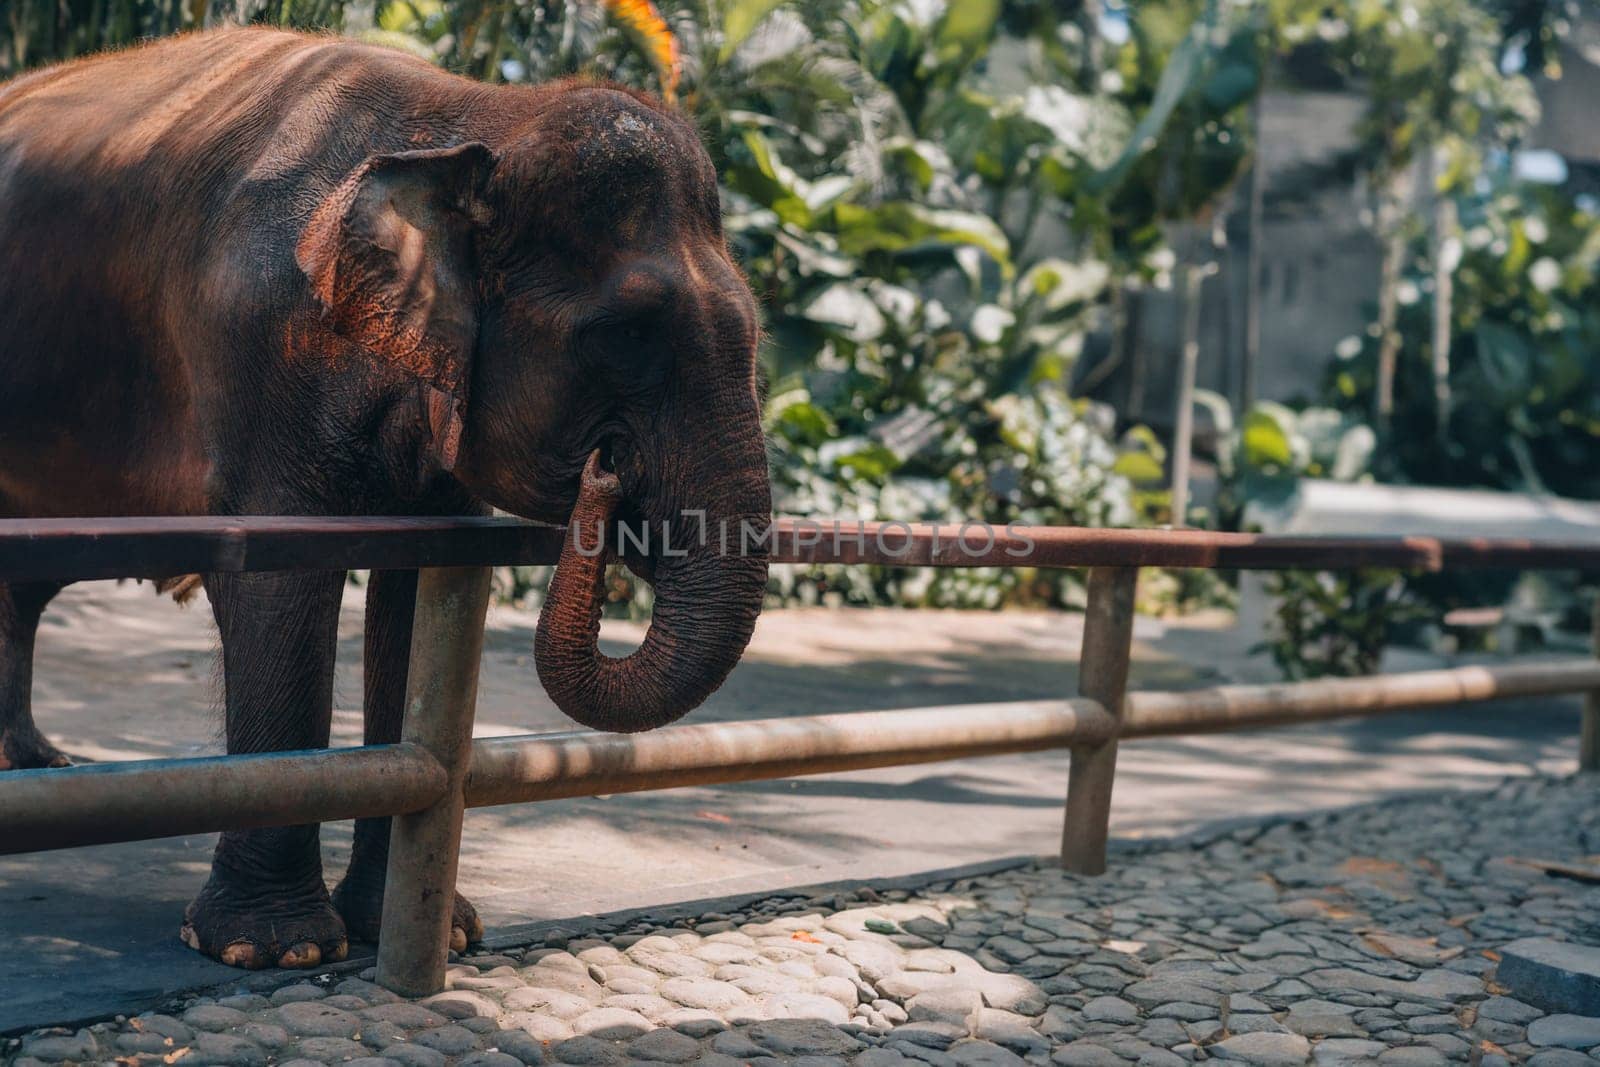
1387 935
124 675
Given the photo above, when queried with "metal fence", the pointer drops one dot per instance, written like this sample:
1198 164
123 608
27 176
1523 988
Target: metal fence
437 770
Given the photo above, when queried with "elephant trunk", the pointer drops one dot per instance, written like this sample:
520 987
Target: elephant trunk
705 610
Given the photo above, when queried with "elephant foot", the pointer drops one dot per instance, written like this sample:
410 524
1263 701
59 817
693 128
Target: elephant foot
25 748
245 928
361 904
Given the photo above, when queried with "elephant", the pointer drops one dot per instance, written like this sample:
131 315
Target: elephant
256 272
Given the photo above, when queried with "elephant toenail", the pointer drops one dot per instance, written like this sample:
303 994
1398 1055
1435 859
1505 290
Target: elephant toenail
61 761
241 954
303 954
458 939
189 937
339 952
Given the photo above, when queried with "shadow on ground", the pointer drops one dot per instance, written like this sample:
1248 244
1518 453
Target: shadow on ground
125 675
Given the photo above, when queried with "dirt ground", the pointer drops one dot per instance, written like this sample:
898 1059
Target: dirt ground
124 675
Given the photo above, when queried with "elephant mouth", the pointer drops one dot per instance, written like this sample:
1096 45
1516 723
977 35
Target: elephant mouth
704 609
628 527
607 449
616 453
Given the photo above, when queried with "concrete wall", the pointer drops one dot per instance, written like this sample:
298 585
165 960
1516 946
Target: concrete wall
1320 261
1319 269
1568 123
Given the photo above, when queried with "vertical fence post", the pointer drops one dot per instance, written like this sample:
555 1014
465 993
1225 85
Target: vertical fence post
1589 737
425 847
1102 677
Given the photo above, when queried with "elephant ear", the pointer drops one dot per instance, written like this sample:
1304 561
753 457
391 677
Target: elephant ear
390 255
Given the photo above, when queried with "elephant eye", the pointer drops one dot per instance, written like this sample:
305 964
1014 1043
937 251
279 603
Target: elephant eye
627 334
630 350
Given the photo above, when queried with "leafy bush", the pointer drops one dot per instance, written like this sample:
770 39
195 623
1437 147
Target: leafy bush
936 201
1262 458
1335 624
920 339
1525 355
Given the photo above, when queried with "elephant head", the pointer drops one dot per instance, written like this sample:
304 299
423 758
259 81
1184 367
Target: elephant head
586 347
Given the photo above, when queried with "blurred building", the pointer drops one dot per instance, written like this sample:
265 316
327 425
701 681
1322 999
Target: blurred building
1319 259
1568 123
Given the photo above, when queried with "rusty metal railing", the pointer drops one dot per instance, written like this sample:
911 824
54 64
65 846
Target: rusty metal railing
436 770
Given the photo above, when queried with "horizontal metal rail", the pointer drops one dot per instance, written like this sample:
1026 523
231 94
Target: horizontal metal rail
76 549
511 770
138 800
132 801
428 780
1235 707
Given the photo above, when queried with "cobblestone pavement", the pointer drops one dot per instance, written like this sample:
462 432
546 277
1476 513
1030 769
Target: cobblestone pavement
1362 936
122 675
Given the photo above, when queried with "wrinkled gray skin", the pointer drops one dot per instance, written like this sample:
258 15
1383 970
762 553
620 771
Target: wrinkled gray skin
252 272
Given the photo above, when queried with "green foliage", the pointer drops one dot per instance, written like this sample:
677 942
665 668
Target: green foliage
886 170
1431 72
935 201
1525 361
1335 624
1273 446
1323 623
919 347
1187 72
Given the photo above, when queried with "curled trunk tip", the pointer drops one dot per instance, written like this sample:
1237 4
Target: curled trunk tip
705 612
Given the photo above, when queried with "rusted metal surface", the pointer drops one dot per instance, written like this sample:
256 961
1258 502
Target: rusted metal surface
101 803
923 545
72 549
425 846
1233 707
437 771
96 804
1102 678
1512 553
953 545
1589 729
511 770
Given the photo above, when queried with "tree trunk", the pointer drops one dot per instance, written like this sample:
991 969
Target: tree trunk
1252 285
1441 253
1183 432
1391 226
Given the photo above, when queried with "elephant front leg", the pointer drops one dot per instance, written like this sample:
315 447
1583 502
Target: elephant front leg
391 607
265 903
22 746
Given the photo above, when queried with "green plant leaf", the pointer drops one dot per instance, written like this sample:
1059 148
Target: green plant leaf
739 20
1265 440
1178 79
1141 468
966 28
1354 456
846 307
1231 85
1506 356
903 226
860 458
758 173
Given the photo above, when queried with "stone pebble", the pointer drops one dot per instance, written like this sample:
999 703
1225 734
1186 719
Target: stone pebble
1364 937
